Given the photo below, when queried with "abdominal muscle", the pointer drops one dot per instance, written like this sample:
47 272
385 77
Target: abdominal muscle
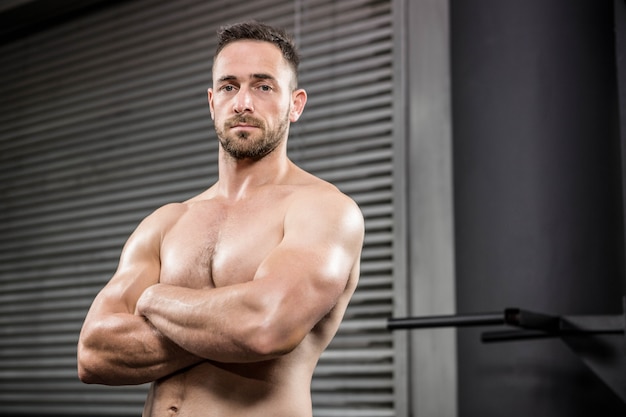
277 388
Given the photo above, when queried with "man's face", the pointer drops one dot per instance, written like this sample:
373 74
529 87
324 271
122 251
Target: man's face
252 102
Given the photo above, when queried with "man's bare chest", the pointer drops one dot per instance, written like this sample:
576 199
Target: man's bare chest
213 245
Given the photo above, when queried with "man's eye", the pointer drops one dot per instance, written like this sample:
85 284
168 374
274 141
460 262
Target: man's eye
228 88
265 88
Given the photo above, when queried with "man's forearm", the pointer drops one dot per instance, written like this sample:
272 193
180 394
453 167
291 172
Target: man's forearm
216 324
125 349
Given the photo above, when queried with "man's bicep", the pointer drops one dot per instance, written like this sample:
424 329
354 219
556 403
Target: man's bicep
312 265
138 268
121 293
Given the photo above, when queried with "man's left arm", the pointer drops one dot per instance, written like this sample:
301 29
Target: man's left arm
293 289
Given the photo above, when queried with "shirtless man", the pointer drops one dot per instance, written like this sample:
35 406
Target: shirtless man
225 302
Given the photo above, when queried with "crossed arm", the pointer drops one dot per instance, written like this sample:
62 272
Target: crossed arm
139 330
117 346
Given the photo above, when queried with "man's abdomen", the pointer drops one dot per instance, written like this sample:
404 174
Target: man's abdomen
271 388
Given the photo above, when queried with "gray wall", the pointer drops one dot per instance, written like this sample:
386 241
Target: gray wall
538 209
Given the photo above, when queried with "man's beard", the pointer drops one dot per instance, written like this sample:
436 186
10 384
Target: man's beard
240 145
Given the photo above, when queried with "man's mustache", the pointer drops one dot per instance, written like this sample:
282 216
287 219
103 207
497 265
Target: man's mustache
244 120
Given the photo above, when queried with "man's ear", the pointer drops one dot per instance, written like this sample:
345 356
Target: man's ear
298 100
210 99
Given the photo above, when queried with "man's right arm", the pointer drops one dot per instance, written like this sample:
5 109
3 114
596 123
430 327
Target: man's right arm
117 346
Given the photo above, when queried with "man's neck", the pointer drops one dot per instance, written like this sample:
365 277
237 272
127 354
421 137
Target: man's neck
239 177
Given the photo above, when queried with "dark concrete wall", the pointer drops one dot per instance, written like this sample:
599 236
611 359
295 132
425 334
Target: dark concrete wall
538 204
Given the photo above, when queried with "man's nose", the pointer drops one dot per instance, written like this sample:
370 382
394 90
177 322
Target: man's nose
243 101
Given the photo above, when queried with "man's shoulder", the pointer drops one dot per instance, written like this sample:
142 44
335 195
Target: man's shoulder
310 184
322 211
322 186
163 218
170 210
320 197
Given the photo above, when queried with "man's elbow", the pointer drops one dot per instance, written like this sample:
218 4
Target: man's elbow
87 377
93 367
272 343
86 367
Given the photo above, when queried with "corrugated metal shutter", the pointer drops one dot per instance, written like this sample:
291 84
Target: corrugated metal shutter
104 118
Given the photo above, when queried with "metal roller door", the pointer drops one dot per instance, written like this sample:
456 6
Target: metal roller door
104 118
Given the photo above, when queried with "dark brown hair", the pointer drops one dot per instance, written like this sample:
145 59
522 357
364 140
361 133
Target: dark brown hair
253 30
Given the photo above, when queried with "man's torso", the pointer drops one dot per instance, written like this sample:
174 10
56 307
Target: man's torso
214 243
